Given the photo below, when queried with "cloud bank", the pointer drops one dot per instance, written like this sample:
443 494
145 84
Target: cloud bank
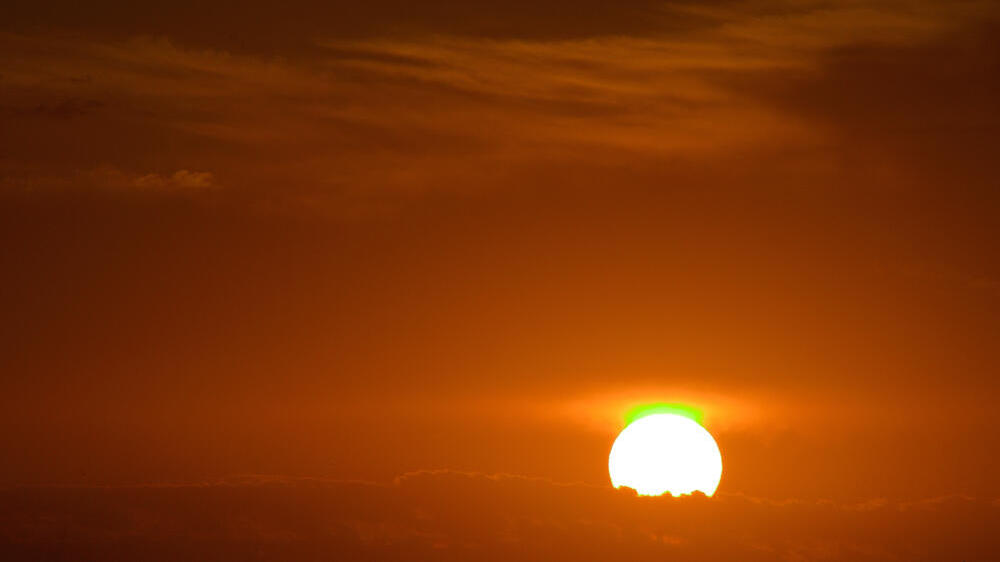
445 515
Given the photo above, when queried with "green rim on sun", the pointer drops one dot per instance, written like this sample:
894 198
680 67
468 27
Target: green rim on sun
663 408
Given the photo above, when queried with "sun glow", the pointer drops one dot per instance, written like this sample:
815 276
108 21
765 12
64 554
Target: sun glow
665 452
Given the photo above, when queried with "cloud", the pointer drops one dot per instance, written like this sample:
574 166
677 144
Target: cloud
109 179
447 515
740 83
179 180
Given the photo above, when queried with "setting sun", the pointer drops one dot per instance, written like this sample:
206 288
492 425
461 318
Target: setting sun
663 453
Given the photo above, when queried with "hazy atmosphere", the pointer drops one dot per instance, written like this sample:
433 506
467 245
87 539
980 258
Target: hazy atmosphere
381 281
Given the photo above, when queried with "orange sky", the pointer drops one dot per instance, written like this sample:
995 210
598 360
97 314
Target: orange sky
380 281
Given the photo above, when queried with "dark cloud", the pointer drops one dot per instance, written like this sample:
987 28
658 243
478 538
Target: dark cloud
445 515
261 26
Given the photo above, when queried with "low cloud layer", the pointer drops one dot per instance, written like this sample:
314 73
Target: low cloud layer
443 515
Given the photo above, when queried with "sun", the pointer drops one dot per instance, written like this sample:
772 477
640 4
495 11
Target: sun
662 453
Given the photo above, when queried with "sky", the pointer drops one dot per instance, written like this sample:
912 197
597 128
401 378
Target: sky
329 280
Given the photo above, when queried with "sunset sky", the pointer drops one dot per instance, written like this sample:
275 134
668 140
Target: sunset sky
381 280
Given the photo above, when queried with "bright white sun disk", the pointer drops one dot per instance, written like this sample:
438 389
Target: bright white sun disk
663 453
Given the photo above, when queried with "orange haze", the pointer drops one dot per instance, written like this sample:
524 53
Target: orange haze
381 280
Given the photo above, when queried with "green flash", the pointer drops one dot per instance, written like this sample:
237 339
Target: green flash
663 408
